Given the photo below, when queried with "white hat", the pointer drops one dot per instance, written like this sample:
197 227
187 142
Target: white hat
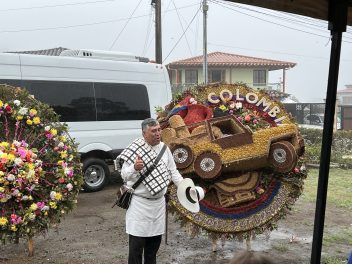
189 195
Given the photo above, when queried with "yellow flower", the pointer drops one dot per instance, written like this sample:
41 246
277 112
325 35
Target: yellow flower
53 131
63 154
3 156
33 112
2 189
13 228
53 205
3 221
11 157
33 207
4 144
1 103
36 120
58 196
63 138
29 122
19 118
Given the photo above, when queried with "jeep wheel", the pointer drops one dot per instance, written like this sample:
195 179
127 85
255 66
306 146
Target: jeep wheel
282 156
208 165
183 155
96 172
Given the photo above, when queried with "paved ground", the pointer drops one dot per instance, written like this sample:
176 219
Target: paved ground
95 233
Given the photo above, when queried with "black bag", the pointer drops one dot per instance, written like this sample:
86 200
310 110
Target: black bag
124 195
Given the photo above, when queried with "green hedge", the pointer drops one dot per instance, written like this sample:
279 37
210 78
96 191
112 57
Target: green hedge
341 149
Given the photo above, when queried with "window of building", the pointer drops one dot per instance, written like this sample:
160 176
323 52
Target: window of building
191 76
216 75
347 100
118 101
259 77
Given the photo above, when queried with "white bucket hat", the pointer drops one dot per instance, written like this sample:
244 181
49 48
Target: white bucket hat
189 195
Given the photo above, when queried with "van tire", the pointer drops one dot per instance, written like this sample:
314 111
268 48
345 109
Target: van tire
96 173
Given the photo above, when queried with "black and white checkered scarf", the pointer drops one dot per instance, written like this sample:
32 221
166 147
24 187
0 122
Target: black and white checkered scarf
159 178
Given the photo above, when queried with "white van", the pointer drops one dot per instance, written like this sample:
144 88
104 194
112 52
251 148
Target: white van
102 96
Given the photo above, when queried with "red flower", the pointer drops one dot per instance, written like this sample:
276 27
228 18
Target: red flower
8 109
61 180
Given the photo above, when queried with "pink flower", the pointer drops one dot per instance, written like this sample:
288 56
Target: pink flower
22 152
40 205
247 118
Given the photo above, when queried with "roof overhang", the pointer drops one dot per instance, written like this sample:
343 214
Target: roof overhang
313 8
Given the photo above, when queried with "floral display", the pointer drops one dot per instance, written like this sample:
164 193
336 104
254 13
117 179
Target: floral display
40 171
247 155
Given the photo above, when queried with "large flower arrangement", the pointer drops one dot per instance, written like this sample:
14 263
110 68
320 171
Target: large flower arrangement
273 194
40 171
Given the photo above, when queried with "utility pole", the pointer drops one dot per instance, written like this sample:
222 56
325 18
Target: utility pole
205 51
158 47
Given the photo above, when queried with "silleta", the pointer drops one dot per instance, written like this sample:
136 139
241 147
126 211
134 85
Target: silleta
251 98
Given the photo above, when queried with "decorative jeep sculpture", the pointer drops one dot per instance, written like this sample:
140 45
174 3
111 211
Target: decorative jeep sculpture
224 144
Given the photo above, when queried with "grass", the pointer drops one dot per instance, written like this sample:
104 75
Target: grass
342 236
335 261
280 247
339 189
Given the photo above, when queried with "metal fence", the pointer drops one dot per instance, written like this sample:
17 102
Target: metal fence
313 114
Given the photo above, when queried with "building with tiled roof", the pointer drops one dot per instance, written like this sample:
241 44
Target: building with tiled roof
229 68
345 96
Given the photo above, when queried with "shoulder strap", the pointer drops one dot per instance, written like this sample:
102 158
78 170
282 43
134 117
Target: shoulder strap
151 168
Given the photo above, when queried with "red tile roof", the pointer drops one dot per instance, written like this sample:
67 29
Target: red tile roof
221 59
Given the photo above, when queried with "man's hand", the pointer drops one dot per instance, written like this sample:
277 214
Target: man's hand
138 164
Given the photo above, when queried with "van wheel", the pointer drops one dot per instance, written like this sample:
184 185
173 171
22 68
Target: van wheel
96 173
282 156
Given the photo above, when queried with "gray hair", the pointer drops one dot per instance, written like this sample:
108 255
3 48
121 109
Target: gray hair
149 122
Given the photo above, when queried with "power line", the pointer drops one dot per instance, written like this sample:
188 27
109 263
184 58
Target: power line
128 20
179 19
182 35
59 5
149 29
281 16
85 24
268 21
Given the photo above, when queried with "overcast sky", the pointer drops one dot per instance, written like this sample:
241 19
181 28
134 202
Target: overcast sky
128 25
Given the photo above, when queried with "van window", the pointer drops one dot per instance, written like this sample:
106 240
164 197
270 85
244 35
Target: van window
73 101
15 83
83 101
117 101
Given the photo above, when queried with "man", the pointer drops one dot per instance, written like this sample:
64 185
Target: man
145 218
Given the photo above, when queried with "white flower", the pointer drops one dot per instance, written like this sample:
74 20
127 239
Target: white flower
24 198
61 144
45 208
15 192
23 111
238 105
17 102
16 143
10 177
69 187
47 128
52 195
18 161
